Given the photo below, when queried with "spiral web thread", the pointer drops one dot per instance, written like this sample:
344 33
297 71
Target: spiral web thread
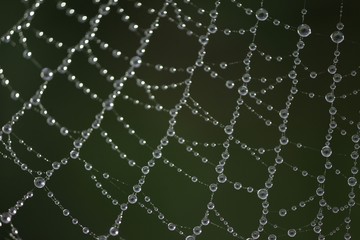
247 95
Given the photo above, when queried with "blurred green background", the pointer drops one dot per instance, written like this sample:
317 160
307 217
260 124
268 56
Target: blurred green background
180 200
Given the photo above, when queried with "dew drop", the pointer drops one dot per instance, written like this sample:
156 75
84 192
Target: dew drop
284 113
304 30
157 154
272 237
190 237
229 84
291 233
262 14
229 129
337 37
262 193
326 151
243 90
135 61
114 231
7 129
132 198
5 218
46 74
197 230
282 212
39 182
330 97
171 227
203 40
352 181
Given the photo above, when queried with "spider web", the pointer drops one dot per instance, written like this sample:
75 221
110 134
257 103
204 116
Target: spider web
179 120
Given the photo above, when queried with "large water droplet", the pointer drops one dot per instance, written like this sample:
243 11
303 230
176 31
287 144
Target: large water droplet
39 182
304 30
262 14
228 129
7 129
292 233
337 37
135 62
352 181
326 151
5 217
262 193
114 231
46 74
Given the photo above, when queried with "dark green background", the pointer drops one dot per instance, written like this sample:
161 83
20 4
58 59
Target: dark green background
180 200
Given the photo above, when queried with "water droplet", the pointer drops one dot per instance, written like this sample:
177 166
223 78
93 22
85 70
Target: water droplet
243 90
337 77
229 129
304 30
282 212
272 237
326 151
246 78
88 166
203 39
284 140
352 181
108 104
284 113
114 231
337 37
262 193
5 217
229 84
55 165
213 187
321 179
212 28
27 54
39 182
145 170
157 154
135 61
46 74
213 13
292 233
7 129
132 198
14 95
116 53
197 230
66 212
330 97
74 154
237 185
221 178
262 14
205 221
64 131
86 230
340 26
171 227
320 191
